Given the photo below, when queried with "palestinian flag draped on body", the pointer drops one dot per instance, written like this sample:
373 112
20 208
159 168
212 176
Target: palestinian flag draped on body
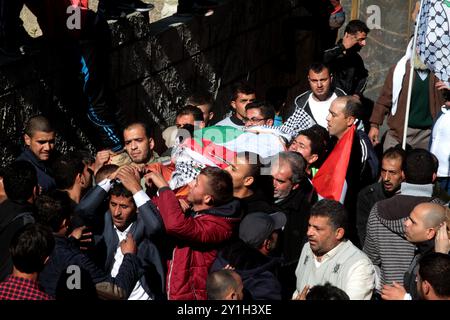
433 37
329 181
218 146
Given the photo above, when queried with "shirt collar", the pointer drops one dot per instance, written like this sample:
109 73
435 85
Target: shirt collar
330 253
23 281
236 120
123 234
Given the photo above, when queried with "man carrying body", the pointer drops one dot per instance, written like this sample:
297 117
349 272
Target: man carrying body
246 175
198 233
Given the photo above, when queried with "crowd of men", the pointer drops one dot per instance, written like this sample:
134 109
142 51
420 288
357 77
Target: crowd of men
236 233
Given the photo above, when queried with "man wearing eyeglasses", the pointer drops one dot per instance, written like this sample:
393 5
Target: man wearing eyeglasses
259 113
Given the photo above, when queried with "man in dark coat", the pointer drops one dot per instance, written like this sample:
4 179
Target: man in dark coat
392 175
20 183
250 255
345 62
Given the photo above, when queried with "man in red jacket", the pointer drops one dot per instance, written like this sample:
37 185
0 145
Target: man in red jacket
197 233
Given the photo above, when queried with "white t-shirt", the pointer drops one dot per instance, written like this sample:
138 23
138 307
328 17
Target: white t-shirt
319 109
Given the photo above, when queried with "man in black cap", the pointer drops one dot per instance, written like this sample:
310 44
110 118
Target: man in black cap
250 255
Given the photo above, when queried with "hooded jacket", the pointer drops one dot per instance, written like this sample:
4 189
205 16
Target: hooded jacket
258 272
301 102
196 240
385 243
423 248
45 181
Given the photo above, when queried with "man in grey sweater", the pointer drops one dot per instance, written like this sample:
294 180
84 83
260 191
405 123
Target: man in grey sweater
388 249
330 257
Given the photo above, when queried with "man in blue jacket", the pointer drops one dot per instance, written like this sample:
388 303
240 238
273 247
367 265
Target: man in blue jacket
39 138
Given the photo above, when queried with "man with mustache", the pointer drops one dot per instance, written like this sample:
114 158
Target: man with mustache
329 256
391 177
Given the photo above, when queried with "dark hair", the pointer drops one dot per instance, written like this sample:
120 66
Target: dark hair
52 208
435 268
19 180
119 190
37 123
419 168
147 129
219 282
333 210
241 87
66 168
355 26
326 292
85 155
104 171
317 67
220 184
253 161
396 153
30 247
199 98
266 109
191 110
297 164
435 162
353 106
318 144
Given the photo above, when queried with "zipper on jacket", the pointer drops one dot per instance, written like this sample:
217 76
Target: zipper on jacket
170 274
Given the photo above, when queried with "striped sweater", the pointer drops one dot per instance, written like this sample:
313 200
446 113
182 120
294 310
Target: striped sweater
385 243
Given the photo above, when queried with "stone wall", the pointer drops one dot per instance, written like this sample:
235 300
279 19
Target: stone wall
386 44
154 66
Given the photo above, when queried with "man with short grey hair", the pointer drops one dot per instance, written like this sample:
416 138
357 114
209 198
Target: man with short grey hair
292 193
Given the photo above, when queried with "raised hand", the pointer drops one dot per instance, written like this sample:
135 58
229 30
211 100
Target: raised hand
129 176
441 240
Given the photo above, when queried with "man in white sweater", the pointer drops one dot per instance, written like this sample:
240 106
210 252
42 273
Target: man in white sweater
330 257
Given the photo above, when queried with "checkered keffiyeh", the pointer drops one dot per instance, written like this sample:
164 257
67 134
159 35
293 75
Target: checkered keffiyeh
300 120
15 288
433 37
218 145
